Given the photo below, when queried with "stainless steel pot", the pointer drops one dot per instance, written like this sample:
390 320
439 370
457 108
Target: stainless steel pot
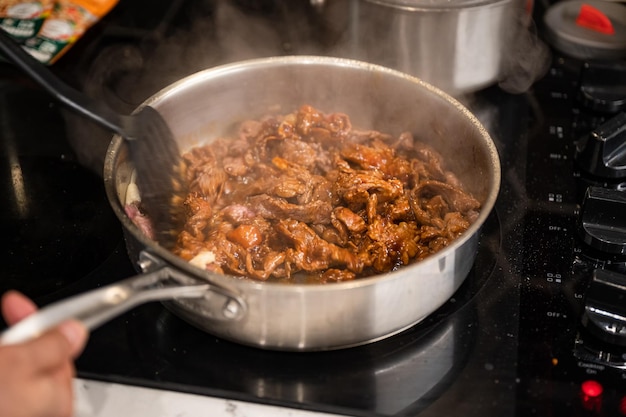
459 46
302 317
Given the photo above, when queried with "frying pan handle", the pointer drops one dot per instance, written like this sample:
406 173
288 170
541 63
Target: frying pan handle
96 307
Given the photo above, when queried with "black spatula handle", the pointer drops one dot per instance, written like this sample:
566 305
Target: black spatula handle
67 95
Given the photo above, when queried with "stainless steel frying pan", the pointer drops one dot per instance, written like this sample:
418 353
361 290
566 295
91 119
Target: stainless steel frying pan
298 317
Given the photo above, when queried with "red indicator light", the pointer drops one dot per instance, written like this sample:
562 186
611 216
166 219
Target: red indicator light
591 395
591 388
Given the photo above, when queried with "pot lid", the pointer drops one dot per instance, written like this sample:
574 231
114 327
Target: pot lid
587 29
415 5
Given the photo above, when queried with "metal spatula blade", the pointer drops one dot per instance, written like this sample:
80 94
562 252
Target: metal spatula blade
153 149
156 157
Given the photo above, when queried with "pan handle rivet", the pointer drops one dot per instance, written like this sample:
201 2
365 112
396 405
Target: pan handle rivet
144 264
231 309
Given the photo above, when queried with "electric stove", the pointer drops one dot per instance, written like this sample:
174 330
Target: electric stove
524 335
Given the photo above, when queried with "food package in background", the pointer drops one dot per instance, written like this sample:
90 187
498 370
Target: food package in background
23 19
67 22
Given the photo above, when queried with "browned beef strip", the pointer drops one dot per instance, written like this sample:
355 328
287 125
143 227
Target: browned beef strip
276 208
454 196
313 253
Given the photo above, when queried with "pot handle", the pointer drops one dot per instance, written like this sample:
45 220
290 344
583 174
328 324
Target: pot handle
96 307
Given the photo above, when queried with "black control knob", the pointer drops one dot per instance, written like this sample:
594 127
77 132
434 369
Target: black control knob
602 152
602 221
602 86
605 307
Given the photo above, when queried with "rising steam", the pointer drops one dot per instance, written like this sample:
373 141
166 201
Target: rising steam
234 30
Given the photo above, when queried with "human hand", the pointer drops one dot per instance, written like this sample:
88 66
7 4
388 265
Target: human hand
36 376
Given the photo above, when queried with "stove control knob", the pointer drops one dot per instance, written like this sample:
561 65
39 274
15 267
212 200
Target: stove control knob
602 221
602 86
602 152
605 307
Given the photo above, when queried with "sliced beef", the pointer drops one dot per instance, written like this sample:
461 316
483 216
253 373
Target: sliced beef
305 197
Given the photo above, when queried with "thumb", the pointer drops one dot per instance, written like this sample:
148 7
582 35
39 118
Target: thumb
55 347
76 334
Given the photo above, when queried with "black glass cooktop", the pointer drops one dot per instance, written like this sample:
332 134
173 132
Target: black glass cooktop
509 343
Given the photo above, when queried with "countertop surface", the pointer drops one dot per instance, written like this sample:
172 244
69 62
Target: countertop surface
103 399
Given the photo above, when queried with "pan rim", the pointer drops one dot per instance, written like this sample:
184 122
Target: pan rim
234 281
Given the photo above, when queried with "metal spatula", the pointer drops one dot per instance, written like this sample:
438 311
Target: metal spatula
153 150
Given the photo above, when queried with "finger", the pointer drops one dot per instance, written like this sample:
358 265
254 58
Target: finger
76 334
48 393
65 397
16 306
49 351
26 390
